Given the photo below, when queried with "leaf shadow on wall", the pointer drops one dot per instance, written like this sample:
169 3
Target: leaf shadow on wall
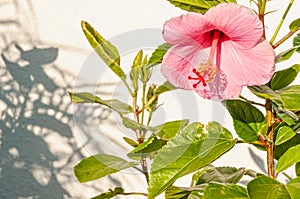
37 145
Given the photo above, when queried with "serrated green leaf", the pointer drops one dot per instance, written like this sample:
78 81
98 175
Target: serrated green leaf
266 92
281 149
218 174
130 142
116 105
296 42
290 157
174 192
229 191
290 97
145 71
284 134
287 98
158 54
188 151
169 129
247 119
287 116
110 193
135 68
265 187
167 86
200 6
295 25
296 127
106 51
153 144
297 169
131 124
293 187
152 106
98 166
285 77
285 55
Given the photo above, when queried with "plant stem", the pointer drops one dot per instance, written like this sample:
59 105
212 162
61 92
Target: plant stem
281 22
270 146
252 102
268 106
261 14
139 134
152 99
287 36
136 115
143 101
287 176
135 193
128 87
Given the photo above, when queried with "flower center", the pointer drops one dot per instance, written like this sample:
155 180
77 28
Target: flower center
206 71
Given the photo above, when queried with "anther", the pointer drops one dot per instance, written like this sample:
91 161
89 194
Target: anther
199 78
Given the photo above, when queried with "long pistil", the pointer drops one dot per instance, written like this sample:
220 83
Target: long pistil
208 65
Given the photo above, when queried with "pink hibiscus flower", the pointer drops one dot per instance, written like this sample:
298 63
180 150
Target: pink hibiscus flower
218 53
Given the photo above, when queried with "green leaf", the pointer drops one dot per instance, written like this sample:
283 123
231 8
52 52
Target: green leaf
290 97
164 88
130 142
296 42
285 77
247 119
218 174
174 192
116 105
107 52
144 150
110 193
266 92
290 157
297 169
287 116
158 54
284 134
285 55
145 71
229 191
294 188
287 98
188 151
296 127
131 124
295 25
169 129
265 187
281 149
98 166
134 72
200 6
153 105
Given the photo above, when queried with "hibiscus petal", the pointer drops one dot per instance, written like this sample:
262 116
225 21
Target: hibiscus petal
179 62
253 66
237 22
187 28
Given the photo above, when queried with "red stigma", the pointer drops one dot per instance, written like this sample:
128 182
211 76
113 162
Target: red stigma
199 78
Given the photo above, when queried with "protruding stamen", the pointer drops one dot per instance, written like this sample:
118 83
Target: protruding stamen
206 71
199 78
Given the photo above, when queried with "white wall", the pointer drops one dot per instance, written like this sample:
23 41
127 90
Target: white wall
45 55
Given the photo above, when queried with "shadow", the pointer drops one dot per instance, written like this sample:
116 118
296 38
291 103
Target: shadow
26 161
258 161
37 146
